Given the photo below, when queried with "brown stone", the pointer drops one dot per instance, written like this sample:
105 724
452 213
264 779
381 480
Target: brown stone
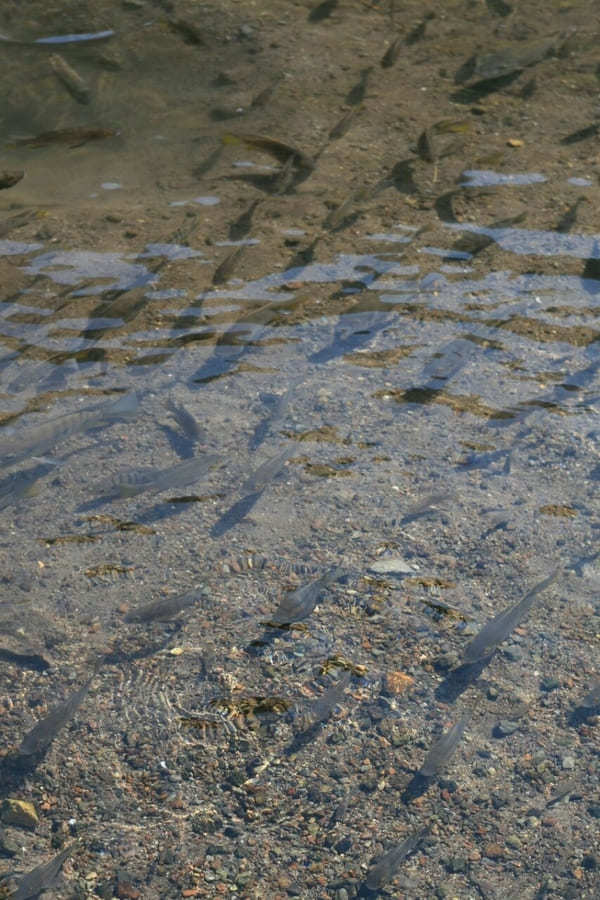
396 683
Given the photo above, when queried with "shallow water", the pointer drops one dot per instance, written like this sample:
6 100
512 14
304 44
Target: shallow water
432 375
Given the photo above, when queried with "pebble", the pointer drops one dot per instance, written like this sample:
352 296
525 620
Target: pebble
493 851
391 565
457 865
7 847
505 727
395 683
568 762
20 813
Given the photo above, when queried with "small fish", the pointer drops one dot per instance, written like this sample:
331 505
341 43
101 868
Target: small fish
178 476
43 732
187 423
211 160
242 225
509 61
357 93
320 709
37 439
266 472
384 868
322 10
269 424
339 813
74 137
500 627
190 32
592 698
591 269
265 95
425 506
166 607
40 879
224 113
499 7
226 268
443 749
284 180
12 222
8 178
277 149
300 603
391 54
426 146
71 79
569 218
344 124
22 484
564 789
418 32
474 242
582 134
341 214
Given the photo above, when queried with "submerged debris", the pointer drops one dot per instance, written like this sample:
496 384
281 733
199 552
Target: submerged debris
71 79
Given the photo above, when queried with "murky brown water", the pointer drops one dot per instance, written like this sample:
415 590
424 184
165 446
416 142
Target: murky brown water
377 332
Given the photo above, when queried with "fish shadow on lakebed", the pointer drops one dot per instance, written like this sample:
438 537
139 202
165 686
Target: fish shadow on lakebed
235 514
458 680
418 785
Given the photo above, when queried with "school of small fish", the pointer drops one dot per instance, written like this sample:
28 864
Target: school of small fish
276 465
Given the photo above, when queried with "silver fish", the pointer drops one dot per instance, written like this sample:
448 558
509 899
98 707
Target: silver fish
38 880
321 708
443 749
266 472
37 439
592 698
498 629
43 732
165 608
157 480
22 484
300 603
186 422
383 869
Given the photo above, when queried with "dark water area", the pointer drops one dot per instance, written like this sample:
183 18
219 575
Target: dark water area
299 385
